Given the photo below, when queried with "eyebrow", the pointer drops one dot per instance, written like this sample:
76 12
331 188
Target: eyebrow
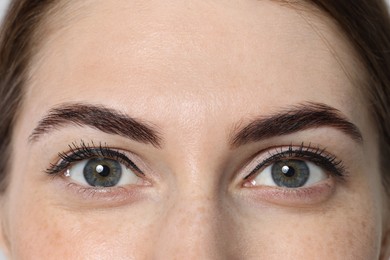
297 118
98 117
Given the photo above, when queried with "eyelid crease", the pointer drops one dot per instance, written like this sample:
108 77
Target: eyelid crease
84 151
313 154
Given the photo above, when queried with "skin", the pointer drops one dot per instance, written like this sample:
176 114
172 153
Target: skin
195 71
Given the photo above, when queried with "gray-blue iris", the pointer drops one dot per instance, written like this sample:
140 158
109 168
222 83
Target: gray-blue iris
290 173
102 172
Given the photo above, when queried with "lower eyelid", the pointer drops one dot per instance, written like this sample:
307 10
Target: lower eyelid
97 197
294 198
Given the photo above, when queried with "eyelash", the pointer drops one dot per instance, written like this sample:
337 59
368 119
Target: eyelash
84 151
315 155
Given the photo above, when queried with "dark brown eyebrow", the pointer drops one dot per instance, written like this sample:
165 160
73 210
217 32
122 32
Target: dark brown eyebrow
294 119
99 117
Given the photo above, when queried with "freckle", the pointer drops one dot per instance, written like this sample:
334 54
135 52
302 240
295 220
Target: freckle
201 209
364 224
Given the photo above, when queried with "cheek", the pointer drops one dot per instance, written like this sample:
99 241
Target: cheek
347 226
41 228
47 233
341 233
36 231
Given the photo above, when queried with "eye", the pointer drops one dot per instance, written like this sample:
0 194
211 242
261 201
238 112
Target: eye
290 173
294 167
102 172
97 166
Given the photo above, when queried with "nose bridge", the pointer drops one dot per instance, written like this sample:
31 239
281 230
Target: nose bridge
193 218
190 227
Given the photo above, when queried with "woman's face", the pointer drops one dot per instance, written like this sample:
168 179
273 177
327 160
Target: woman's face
194 130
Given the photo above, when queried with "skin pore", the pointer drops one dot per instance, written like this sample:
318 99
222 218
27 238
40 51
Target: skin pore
195 74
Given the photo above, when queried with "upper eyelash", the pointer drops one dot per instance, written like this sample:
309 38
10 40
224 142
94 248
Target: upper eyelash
83 151
314 154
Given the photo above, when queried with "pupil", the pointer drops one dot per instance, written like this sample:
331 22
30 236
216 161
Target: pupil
288 171
103 170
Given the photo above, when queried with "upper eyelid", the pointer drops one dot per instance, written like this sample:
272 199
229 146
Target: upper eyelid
277 153
90 151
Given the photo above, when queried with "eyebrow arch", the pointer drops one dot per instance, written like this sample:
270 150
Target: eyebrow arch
296 118
98 117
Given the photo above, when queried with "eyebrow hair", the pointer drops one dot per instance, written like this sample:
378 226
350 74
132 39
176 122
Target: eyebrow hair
99 117
297 118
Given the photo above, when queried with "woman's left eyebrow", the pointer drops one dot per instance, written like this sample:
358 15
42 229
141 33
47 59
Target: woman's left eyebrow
294 119
99 117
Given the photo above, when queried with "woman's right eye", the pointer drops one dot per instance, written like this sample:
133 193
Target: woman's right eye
102 172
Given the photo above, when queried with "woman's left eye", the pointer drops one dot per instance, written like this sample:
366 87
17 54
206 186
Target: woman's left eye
289 173
102 172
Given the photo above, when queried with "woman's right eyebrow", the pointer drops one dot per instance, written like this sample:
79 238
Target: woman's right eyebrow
99 117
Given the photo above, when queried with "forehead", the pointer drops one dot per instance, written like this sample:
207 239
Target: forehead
198 52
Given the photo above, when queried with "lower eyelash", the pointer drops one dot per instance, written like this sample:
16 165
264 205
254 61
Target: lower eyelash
313 154
84 151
